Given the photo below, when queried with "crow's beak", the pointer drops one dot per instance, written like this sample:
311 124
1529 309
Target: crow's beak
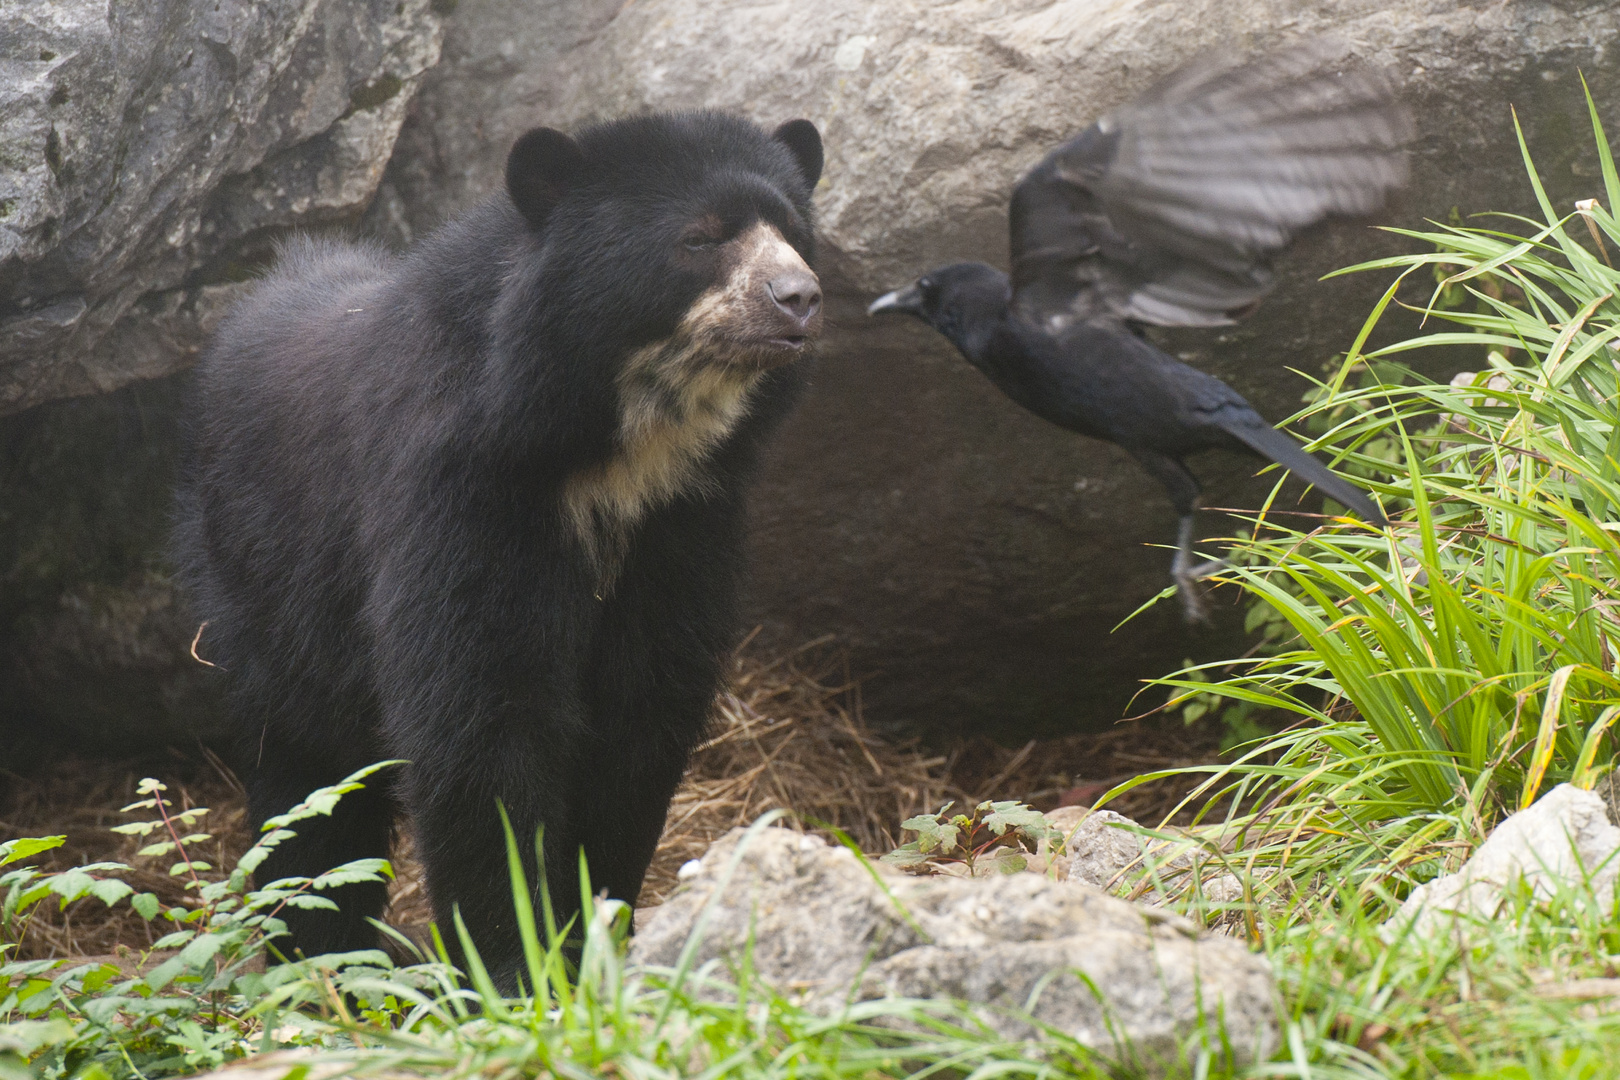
906 301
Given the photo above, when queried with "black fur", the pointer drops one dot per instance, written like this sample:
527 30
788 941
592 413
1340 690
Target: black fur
369 519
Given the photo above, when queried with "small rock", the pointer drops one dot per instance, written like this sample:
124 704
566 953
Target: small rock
1561 841
1132 983
1106 852
1101 847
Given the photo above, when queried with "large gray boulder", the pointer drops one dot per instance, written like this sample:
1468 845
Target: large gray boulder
141 142
1136 985
974 557
930 112
149 150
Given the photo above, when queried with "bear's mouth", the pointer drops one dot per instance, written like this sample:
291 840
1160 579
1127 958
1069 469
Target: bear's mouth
762 349
764 353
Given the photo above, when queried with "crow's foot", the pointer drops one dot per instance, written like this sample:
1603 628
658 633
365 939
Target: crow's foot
1188 576
1193 606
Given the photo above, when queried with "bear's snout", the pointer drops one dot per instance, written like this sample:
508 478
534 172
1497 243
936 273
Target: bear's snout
795 306
766 308
798 294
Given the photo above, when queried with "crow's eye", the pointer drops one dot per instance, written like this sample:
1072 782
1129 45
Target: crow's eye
925 284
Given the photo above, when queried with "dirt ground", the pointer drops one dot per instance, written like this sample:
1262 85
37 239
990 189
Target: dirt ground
788 733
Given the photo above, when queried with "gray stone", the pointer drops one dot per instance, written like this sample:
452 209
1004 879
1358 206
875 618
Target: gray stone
149 151
976 557
141 143
1107 852
1103 848
1563 844
1130 982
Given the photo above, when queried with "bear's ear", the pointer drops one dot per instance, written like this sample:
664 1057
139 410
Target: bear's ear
804 141
543 165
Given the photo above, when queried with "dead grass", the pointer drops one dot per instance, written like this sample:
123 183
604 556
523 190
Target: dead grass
788 734
81 800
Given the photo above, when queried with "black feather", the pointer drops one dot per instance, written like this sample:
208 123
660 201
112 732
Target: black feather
1168 210
1266 440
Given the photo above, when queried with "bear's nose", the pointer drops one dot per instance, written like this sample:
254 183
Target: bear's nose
796 292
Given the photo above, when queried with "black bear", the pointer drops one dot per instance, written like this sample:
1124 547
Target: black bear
481 507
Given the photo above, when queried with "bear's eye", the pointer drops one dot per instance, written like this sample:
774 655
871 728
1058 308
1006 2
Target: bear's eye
700 241
706 234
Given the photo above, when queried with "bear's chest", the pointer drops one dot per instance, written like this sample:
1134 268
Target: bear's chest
676 405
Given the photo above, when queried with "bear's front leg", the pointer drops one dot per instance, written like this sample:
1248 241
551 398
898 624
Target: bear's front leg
479 677
455 798
657 661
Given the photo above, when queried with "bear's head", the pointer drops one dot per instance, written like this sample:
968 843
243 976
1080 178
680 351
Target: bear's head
668 256
686 239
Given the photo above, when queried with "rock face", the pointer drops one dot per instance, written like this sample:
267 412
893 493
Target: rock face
1563 844
141 142
94 637
820 924
148 153
976 557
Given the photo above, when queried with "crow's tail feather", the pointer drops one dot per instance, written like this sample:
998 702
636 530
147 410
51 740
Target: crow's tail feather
1280 447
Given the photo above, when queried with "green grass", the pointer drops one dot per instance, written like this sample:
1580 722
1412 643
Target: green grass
204 1006
1350 1004
1488 1005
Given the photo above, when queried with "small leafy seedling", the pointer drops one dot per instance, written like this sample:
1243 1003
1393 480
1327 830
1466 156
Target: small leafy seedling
203 995
994 839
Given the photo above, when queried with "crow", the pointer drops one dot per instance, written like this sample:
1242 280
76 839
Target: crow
1167 212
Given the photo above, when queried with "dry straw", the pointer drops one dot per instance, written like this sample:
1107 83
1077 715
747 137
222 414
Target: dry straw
788 734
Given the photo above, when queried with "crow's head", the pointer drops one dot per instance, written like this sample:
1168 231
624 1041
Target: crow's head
961 301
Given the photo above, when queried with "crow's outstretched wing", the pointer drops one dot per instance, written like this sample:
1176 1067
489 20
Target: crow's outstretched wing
1166 211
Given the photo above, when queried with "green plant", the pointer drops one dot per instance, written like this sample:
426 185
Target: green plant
1240 721
1452 667
197 999
995 837
1520 996
582 1011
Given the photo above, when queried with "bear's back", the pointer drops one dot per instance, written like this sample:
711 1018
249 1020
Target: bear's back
293 313
273 443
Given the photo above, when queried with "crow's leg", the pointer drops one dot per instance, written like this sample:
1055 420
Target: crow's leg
1187 574
1184 492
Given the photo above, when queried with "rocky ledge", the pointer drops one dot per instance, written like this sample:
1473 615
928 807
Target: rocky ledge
1141 987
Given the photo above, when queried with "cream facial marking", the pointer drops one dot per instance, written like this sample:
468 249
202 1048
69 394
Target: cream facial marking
679 398
738 317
